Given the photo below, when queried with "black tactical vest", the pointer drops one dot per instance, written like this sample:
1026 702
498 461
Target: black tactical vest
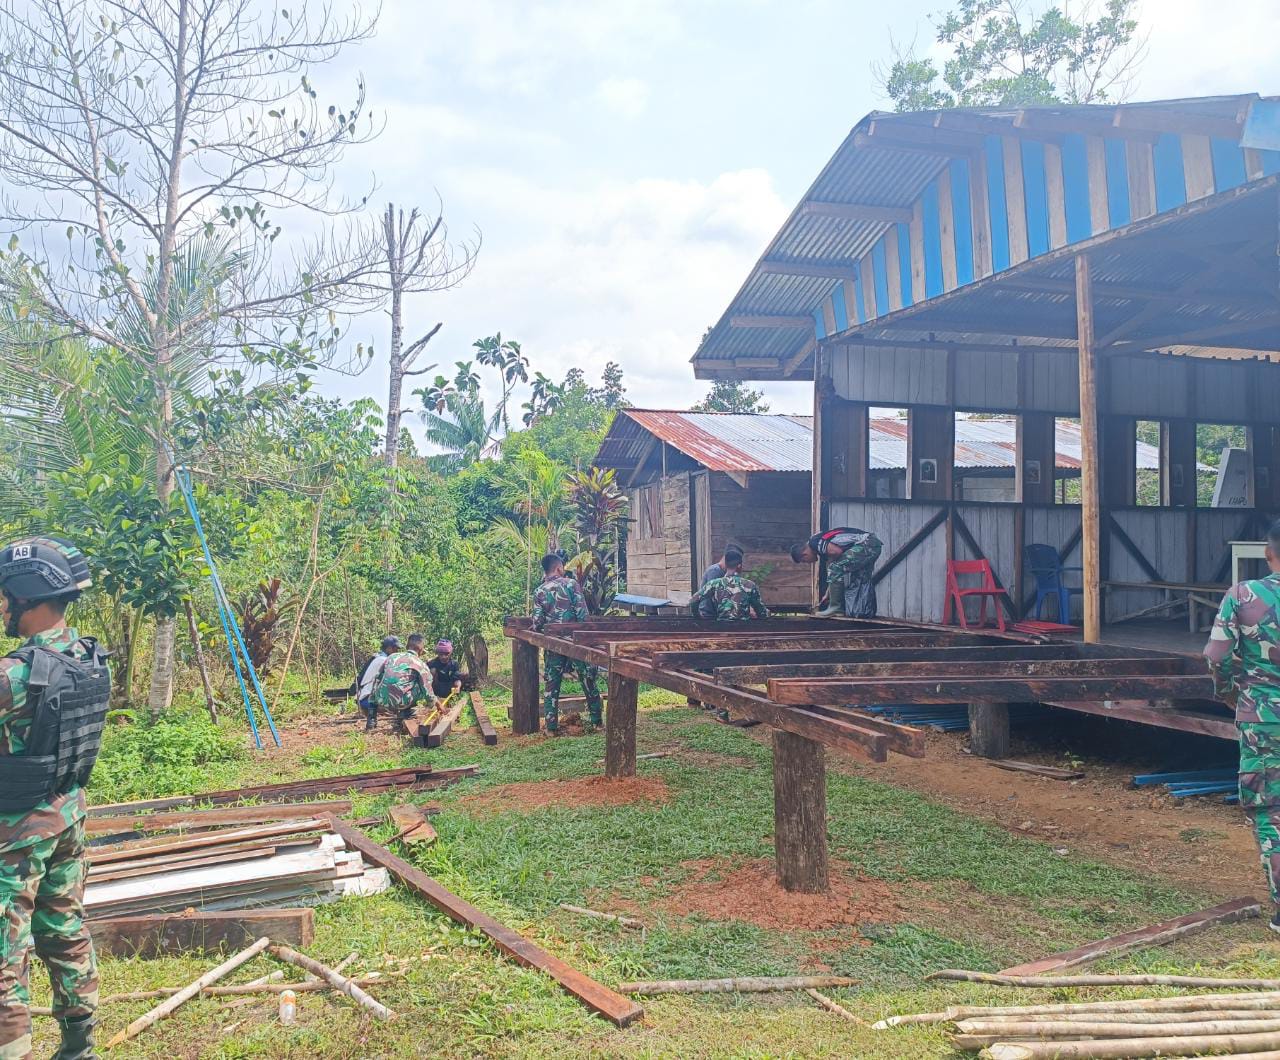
69 699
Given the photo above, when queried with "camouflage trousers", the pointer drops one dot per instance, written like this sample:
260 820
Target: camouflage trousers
553 669
1260 794
848 582
41 892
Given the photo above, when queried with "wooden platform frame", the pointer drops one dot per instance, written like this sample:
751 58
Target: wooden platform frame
801 676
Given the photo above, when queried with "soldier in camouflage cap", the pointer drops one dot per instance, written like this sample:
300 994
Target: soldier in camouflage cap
404 683
1244 659
42 866
560 599
732 598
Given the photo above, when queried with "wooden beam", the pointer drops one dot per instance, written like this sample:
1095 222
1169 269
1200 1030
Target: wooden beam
800 691
1139 119
174 933
853 211
800 813
620 727
196 819
989 729
1166 931
444 724
822 270
524 688
763 320
795 360
1020 667
1183 719
600 999
1090 469
487 732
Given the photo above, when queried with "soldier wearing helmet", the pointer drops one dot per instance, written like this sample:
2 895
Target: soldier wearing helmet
54 692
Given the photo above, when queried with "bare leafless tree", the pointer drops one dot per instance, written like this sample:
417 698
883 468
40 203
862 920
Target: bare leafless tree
418 258
152 150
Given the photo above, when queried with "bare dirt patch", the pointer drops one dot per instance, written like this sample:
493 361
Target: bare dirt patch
718 889
585 791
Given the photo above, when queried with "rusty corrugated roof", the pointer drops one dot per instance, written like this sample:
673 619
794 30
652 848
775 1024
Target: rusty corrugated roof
719 441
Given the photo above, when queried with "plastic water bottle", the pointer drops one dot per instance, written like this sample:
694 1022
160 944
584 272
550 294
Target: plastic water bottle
288 1006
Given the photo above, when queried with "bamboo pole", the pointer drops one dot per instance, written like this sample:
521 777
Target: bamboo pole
1001 1030
747 985
595 914
1188 1003
334 979
1130 1016
189 991
831 1006
1124 1048
960 975
193 631
270 977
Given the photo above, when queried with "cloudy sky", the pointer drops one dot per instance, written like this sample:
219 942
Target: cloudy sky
627 160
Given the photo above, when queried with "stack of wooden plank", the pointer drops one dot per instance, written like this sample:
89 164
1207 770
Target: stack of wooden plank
299 861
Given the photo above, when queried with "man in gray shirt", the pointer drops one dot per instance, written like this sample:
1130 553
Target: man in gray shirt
718 569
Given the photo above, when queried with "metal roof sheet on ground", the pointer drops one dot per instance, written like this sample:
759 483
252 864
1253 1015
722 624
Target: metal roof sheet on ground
726 441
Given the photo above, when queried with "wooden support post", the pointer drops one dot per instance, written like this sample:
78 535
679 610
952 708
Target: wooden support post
620 727
1090 506
524 688
989 729
800 812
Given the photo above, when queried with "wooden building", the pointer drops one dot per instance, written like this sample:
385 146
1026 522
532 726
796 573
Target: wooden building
1115 265
700 480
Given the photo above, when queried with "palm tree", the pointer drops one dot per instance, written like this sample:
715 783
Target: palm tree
461 428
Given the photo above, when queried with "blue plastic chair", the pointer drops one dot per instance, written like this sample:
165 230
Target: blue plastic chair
1043 562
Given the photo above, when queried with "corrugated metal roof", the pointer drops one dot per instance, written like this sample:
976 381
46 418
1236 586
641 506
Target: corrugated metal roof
867 171
719 441
742 442
987 443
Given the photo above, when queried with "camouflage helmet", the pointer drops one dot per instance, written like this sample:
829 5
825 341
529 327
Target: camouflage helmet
43 568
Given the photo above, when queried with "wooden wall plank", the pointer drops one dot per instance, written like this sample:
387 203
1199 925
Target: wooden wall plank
1197 164
979 206
946 231
1142 179
1035 443
932 236
894 267
917 252
1095 154
1016 199
1178 463
930 436
1055 196
868 284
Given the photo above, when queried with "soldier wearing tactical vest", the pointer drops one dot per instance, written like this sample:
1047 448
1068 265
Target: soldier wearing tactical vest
54 691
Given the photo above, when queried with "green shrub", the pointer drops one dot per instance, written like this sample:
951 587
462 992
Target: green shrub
177 755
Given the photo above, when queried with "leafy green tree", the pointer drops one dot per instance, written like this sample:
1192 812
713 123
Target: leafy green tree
512 367
598 508
461 430
730 395
1021 52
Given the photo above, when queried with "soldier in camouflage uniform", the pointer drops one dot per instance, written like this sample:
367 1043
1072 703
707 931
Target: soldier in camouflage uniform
405 682
850 556
1244 659
42 865
731 598
559 599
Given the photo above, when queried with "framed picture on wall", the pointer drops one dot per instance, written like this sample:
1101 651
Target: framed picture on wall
1031 472
928 471
1175 476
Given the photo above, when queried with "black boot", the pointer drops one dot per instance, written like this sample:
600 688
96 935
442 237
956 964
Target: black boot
77 1039
370 720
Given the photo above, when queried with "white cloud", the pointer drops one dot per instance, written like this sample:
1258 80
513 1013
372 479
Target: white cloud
627 96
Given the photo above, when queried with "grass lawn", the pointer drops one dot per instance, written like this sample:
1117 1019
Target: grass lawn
961 894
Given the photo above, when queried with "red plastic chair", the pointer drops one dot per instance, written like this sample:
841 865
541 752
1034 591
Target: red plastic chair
986 590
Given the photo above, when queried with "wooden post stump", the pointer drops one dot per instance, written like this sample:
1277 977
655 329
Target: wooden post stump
620 727
524 688
799 813
989 729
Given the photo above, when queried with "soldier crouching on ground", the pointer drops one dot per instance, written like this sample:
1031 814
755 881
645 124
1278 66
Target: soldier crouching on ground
1244 659
54 693
405 682
730 598
560 599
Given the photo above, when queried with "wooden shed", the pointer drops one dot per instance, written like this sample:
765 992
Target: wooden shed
700 480
1113 266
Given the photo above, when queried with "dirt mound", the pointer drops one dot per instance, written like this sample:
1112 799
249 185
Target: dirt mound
719 890
587 791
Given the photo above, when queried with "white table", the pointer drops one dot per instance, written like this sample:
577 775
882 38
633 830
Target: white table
1242 550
